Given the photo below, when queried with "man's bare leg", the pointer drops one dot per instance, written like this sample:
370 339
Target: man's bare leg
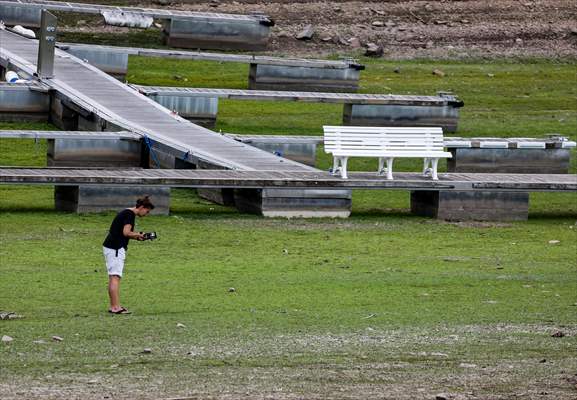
113 292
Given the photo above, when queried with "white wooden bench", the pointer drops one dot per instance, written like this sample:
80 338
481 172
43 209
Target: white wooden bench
385 143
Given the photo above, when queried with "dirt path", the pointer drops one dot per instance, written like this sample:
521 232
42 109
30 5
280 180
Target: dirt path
412 29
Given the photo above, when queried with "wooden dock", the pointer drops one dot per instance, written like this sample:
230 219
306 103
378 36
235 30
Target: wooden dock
288 179
211 56
95 92
309 97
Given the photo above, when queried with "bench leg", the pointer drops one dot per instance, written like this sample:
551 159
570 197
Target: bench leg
435 163
426 166
382 168
390 168
335 169
344 161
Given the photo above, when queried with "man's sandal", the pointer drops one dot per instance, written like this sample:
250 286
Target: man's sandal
121 311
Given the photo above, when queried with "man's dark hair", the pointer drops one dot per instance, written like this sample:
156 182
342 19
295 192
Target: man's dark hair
144 202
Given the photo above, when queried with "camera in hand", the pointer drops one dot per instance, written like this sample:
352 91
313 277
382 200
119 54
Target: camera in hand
149 236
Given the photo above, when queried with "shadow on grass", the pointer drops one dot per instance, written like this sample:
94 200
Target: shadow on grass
552 215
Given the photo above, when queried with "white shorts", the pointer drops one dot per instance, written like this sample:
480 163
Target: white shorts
114 262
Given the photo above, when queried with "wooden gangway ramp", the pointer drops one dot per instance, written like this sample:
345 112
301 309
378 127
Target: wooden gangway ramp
288 179
96 92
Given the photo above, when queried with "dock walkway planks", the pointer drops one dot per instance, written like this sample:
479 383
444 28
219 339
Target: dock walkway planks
288 179
272 95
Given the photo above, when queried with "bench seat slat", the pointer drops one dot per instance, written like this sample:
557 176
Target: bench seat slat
387 154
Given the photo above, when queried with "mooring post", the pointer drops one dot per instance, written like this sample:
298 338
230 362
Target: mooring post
46 45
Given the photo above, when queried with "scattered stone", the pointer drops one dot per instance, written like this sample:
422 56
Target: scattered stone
490 75
519 41
438 72
439 354
378 12
306 34
355 43
390 24
157 25
6 315
464 21
214 3
574 31
231 290
441 397
558 334
57 338
554 241
177 77
428 7
81 22
378 23
397 70
39 341
429 45
467 365
162 2
7 339
543 361
337 9
326 39
373 50
440 22
146 351
179 325
340 40
285 251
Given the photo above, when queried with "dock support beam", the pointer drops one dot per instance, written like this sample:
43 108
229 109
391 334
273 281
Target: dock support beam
114 63
471 206
294 203
18 103
304 79
17 15
217 34
446 117
199 110
105 153
550 160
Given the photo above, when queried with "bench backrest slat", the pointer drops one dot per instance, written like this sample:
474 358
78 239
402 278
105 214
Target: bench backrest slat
384 139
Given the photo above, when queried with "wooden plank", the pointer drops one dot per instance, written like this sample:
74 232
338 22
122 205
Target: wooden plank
270 95
264 179
25 134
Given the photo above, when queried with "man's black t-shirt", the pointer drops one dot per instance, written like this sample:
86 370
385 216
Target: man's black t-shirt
116 239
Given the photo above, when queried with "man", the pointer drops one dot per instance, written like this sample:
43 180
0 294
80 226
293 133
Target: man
115 246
